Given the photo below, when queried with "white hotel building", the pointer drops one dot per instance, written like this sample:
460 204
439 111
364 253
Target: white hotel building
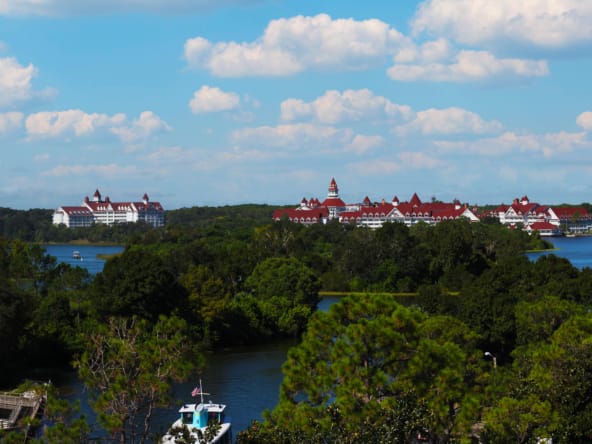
109 213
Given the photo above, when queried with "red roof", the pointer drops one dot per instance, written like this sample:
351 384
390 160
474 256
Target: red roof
539 226
333 202
298 213
122 206
333 185
415 200
569 212
79 211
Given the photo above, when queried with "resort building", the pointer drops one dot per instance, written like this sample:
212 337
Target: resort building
373 214
106 212
547 220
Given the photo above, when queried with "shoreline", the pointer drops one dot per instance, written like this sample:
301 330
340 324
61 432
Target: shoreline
83 242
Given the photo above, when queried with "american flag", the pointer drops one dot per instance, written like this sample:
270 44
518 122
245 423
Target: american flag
195 391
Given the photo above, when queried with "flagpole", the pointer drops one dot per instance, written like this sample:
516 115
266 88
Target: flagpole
201 391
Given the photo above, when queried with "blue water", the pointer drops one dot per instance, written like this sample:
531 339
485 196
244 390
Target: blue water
247 379
578 250
88 255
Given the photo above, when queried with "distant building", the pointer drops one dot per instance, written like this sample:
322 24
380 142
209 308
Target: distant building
546 219
106 212
373 214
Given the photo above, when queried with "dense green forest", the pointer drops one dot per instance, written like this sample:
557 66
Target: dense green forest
368 370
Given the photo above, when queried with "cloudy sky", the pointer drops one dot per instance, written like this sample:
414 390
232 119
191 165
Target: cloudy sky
215 102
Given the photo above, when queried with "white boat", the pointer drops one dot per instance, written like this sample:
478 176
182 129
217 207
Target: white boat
76 255
194 420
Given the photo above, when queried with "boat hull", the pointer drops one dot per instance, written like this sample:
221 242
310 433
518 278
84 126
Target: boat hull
224 435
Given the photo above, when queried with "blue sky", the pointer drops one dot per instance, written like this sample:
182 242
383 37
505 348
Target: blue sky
215 102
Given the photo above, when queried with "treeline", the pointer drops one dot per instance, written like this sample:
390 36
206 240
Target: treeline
263 281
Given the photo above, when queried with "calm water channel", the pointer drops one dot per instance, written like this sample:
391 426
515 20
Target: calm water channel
88 255
577 249
247 379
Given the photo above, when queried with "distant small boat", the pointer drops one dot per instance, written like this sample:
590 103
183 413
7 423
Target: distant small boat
76 255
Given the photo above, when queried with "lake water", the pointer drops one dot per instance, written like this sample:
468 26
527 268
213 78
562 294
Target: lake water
88 255
247 379
577 249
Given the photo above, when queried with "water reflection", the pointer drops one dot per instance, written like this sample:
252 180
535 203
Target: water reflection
88 255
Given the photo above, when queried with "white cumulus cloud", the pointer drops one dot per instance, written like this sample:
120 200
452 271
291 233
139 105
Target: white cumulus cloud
15 83
542 24
294 136
211 99
141 128
10 121
347 106
361 144
448 121
292 45
584 120
428 52
75 122
305 137
69 122
548 145
470 66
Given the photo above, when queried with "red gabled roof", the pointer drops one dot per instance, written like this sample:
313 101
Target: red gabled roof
297 213
569 212
385 209
415 200
526 208
77 211
144 206
538 226
333 202
333 185
122 206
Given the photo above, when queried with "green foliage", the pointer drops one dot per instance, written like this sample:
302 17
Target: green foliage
563 374
129 367
400 422
16 310
519 420
367 353
137 282
285 278
286 292
537 321
65 423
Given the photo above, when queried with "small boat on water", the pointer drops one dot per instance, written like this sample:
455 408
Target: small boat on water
76 255
204 422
